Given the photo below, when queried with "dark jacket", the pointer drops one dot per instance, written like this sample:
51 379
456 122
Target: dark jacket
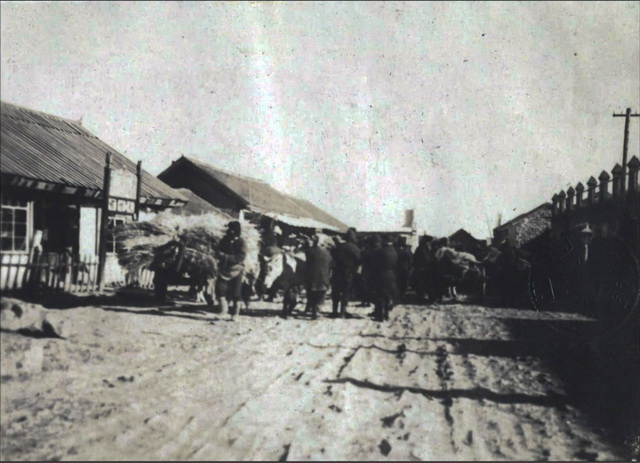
421 257
404 261
231 255
385 265
318 264
346 259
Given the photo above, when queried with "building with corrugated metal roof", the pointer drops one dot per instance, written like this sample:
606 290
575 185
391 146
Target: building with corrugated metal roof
237 194
52 174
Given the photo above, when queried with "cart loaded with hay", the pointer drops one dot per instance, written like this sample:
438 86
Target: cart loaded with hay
181 250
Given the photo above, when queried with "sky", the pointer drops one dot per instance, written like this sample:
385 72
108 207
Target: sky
460 111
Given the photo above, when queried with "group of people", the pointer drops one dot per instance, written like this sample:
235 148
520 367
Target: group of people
339 266
377 271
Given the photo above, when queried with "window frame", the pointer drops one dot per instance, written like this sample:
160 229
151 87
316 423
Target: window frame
112 222
14 205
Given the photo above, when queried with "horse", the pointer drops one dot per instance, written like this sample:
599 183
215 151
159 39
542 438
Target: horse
455 268
290 272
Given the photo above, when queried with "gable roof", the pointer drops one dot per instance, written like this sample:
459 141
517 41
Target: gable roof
527 226
196 205
525 215
259 196
318 214
58 151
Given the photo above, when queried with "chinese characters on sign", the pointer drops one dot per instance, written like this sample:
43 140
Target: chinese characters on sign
122 206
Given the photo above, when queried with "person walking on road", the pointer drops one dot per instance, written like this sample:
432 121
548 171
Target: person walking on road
318 267
385 265
422 268
231 255
346 259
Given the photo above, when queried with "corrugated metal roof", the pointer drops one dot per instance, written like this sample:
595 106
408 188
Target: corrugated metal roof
41 146
196 205
320 215
261 197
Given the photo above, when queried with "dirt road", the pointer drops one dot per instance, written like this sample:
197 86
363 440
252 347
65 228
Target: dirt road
445 382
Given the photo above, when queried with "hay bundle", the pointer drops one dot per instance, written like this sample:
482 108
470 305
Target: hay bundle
184 244
137 242
252 238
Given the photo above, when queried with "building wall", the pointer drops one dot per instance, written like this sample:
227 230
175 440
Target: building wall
62 225
615 218
521 231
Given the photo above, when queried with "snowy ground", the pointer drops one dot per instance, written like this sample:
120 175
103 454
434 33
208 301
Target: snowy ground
446 382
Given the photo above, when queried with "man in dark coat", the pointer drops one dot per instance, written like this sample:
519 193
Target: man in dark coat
231 255
346 259
318 265
371 246
384 267
422 266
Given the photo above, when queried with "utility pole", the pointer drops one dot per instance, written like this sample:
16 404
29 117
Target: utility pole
627 117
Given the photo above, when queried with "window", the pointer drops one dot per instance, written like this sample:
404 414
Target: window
114 221
15 226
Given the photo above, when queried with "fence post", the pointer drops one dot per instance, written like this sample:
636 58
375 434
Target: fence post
634 165
579 193
604 185
554 208
562 201
592 183
570 194
617 181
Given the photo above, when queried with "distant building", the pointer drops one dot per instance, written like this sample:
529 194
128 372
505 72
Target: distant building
241 195
525 227
52 180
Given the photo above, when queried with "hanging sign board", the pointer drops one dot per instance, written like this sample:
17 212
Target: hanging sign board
122 192
123 184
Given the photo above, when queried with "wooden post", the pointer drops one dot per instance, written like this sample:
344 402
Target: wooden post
618 181
634 165
627 117
604 185
138 190
570 194
592 183
561 200
104 222
579 193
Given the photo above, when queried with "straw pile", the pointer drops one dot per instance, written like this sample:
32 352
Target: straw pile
182 244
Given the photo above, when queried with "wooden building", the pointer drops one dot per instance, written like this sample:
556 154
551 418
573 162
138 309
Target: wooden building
254 199
52 174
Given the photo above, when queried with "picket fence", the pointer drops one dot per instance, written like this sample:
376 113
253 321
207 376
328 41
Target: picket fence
60 272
